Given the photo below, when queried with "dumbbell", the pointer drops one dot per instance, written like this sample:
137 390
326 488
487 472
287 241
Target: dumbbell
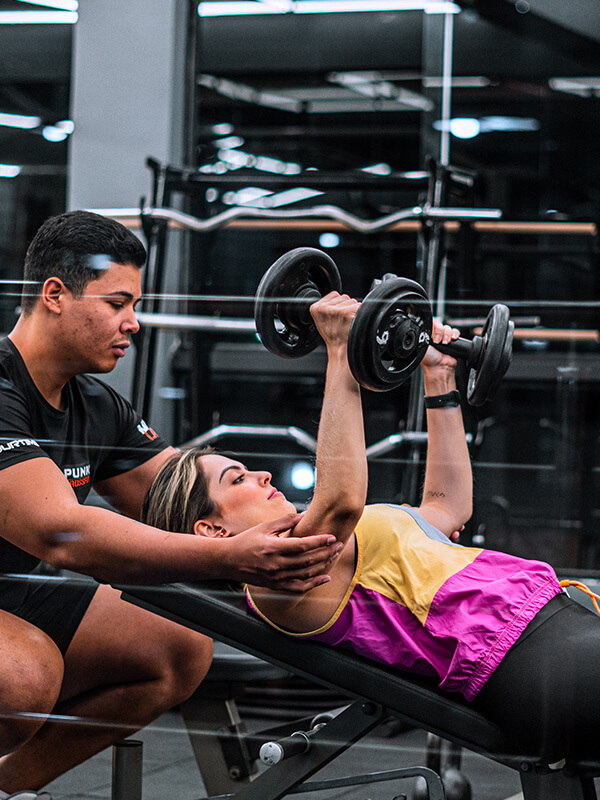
394 334
287 329
389 334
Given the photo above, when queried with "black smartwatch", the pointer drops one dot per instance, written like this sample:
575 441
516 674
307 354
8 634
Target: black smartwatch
449 400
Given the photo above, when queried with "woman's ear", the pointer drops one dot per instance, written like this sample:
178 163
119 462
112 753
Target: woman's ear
204 527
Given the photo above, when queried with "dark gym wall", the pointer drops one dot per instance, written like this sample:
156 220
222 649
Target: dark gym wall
545 419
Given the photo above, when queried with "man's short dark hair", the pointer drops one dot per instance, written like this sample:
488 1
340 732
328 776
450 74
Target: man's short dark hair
76 247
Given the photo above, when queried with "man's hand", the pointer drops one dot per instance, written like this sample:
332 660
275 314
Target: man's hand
294 564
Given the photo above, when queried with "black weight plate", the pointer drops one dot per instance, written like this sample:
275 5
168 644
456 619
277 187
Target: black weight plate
496 353
390 334
507 350
283 321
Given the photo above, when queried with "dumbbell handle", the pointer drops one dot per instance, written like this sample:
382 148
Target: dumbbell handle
468 349
303 301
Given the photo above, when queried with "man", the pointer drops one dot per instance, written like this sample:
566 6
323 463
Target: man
72 647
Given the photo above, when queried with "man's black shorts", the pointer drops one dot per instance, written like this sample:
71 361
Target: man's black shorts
55 605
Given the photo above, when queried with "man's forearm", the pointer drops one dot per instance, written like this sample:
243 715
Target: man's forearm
113 548
46 520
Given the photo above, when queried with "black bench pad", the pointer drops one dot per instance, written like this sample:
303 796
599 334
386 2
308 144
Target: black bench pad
221 612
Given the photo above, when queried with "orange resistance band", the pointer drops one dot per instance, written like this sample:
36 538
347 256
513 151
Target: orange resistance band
583 588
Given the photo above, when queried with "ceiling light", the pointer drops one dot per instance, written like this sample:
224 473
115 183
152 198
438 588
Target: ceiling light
66 125
234 8
287 197
219 168
247 94
245 197
62 5
370 86
468 127
502 123
266 164
465 128
458 82
9 170
361 95
378 169
352 6
283 6
254 197
236 159
302 475
329 240
461 81
53 134
229 142
38 17
19 121
222 128
582 87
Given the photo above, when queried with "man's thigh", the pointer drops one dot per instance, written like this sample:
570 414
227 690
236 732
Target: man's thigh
118 643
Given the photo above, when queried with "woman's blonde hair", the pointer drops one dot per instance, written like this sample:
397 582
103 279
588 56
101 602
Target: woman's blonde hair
178 496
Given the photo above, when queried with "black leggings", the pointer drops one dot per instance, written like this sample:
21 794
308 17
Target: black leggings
546 692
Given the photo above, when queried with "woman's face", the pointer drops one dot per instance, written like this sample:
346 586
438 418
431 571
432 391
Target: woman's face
244 498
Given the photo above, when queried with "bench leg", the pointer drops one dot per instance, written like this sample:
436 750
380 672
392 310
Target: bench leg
557 786
217 738
127 770
327 743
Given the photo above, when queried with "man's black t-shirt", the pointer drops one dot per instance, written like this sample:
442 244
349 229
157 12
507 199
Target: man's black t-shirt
98 435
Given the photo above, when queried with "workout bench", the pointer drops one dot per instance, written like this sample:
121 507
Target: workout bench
374 692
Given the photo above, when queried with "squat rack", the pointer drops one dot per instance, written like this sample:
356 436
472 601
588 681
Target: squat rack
157 217
432 218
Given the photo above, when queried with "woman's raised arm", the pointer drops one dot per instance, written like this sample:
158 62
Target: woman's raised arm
447 501
341 486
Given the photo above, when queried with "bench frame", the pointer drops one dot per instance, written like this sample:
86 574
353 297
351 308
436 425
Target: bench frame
221 612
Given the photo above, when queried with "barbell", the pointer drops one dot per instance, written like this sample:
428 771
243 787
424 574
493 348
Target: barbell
389 334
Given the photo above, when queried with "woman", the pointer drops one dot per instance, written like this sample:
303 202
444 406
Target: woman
402 592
